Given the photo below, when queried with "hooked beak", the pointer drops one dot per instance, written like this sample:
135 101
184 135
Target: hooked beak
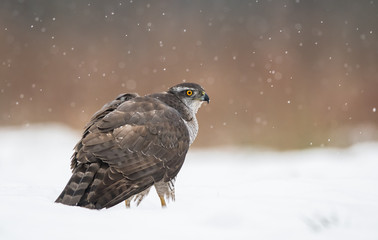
205 97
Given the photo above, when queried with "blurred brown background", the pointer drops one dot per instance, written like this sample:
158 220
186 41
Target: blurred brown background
281 74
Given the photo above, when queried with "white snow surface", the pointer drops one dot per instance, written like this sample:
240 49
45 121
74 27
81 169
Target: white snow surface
225 193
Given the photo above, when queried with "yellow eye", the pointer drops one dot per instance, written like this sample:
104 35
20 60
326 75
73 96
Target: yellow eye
189 92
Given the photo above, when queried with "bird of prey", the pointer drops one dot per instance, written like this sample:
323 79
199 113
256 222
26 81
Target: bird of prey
131 144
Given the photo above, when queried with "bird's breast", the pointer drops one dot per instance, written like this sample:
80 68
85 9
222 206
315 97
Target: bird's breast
192 127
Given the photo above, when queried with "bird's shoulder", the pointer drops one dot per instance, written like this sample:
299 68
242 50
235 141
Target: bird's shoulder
146 110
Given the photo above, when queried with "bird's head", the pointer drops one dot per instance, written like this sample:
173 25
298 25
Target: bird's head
191 94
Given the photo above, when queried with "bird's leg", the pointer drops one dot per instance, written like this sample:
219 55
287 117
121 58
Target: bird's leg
162 201
127 203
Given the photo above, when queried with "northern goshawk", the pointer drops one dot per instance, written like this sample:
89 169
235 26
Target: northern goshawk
132 144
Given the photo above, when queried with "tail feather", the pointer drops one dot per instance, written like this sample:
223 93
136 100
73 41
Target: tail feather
106 186
81 178
97 186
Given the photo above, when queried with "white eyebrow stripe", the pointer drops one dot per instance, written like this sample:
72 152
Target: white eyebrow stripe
179 89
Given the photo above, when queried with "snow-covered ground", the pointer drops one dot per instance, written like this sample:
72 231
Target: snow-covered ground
220 194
